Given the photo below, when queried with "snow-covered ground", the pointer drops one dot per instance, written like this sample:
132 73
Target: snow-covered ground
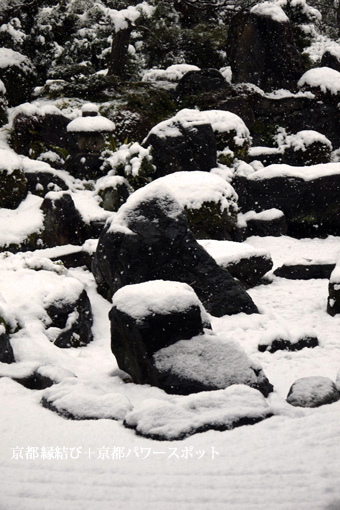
289 461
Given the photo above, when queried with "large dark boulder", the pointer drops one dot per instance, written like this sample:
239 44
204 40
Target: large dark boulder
262 51
149 239
157 338
63 223
182 146
204 80
308 196
18 74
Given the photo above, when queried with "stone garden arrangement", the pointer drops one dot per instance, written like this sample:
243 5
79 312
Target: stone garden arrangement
170 253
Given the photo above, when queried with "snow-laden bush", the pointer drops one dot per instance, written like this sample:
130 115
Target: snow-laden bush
131 161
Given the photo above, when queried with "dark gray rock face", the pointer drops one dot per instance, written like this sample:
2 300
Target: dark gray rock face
6 351
313 392
311 207
282 344
149 239
74 319
304 271
249 271
330 60
204 80
13 188
263 225
160 341
333 301
262 51
186 148
62 222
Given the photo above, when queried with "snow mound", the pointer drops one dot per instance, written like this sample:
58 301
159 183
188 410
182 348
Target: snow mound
267 215
9 58
270 10
324 78
226 252
221 122
313 392
82 400
18 224
209 359
301 140
172 73
185 416
155 191
306 173
97 124
193 189
154 297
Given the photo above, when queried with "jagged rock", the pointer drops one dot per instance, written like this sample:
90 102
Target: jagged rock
243 262
266 223
149 239
330 60
13 186
262 51
18 74
114 191
73 319
203 80
62 222
157 337
308 196
6 351
313 391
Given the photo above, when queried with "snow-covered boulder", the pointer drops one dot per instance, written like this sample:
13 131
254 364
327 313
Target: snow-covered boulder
307 147
80 400
314 391
157 338
209 201
149 316
308 196
262 50
113 191
149 239
34 376
18 74
203 80
322 80
187 415
271 222
243 262
306 268
283 340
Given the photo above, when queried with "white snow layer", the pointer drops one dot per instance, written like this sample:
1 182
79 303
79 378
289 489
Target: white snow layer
90 125
324 78
227 252
270 10
154 297
193 189
18 224
172 73
307 173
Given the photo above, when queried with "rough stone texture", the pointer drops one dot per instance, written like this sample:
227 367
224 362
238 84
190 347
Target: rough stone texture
313 392
74 319
262 227
19 81
194 148
159 245
33 134
304 271
311 207
133 342
112 197
6 351
262 51
85 166
13 188
204 80
40 183
282 344
249 271
330 60
62 222
333 302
